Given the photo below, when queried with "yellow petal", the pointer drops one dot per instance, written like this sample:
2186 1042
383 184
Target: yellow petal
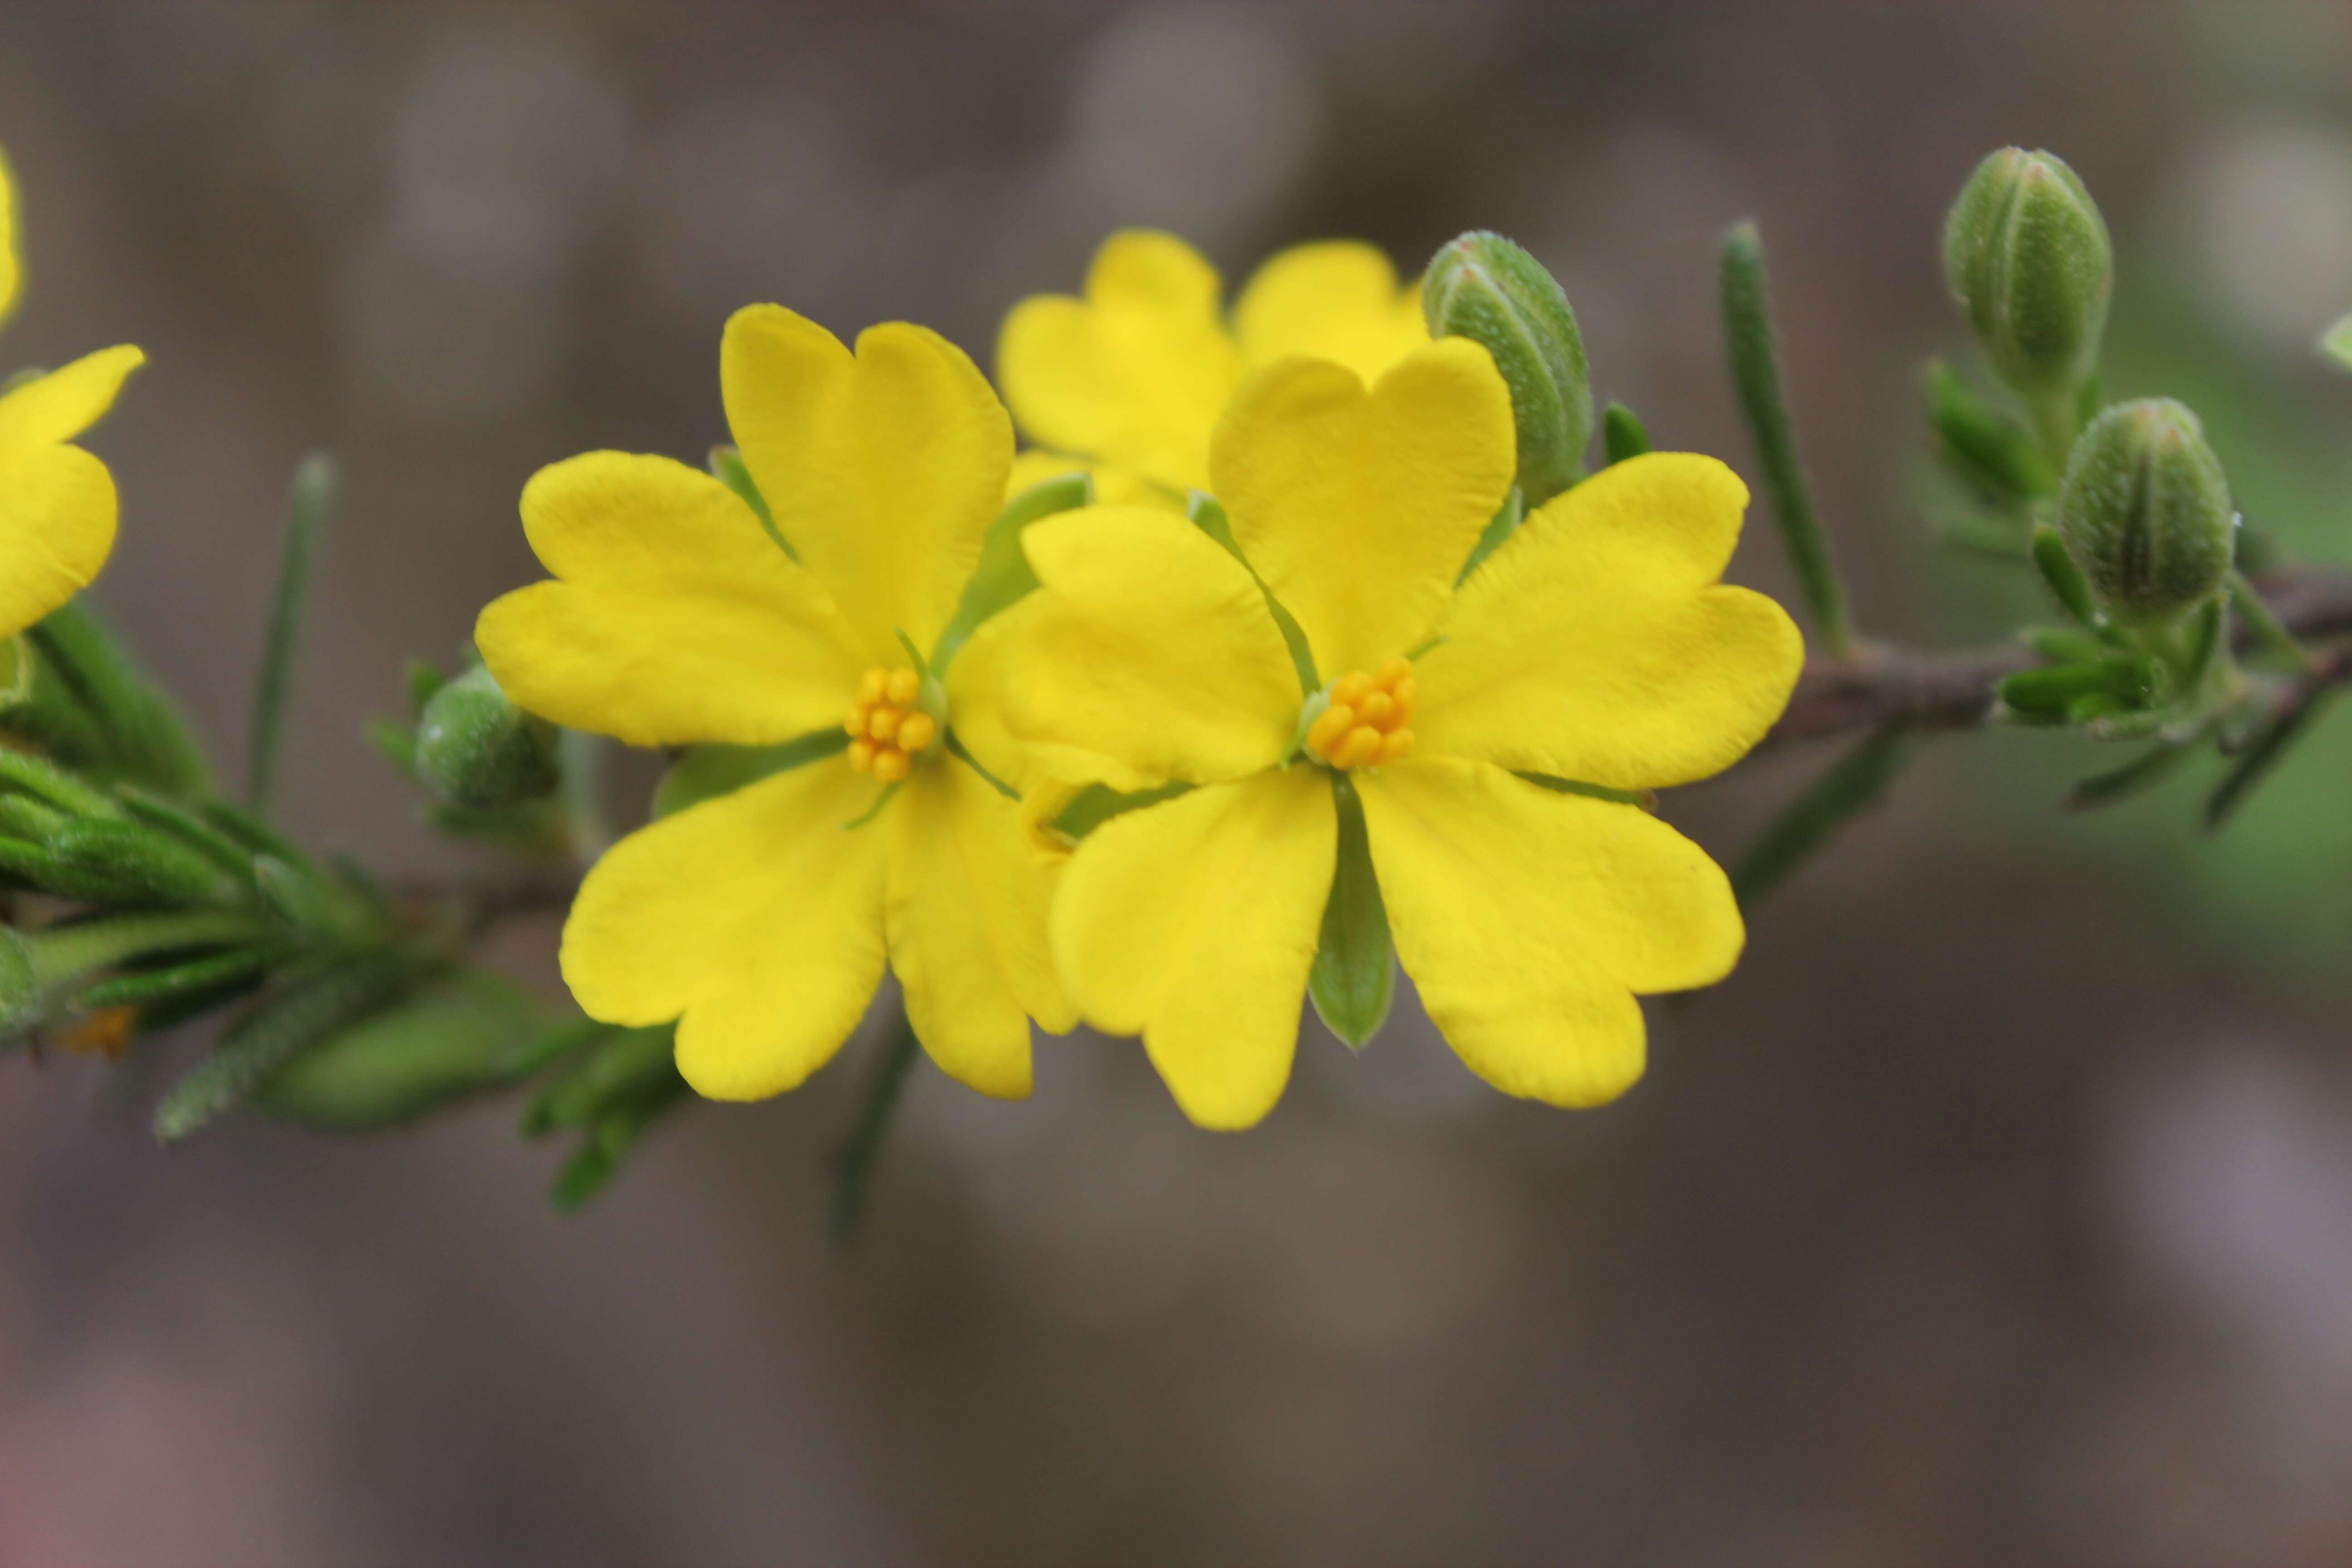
1114 486
1134 373
11 263
1359 508
883 468
56 526
1596 644
1148 655
967 923
754 919
1528 920
64 402
673 619
1337 299
1193 923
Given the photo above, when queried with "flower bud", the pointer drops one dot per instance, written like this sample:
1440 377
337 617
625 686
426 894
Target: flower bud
2145 512
2026 254
478 750
1484 288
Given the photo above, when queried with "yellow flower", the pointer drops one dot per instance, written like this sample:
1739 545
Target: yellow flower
757 920
1596 644
57 501
1133 376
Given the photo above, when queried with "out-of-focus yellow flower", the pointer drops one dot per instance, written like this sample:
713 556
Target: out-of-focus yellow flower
1596 644
754 918
58 504
1130 378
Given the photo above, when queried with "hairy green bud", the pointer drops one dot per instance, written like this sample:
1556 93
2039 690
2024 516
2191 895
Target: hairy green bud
2027 256
2145 512
1484 288
476 749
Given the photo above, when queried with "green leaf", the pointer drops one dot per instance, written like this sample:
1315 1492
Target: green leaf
1500 527
706 772
139 734
2335 343
284 1027
1002 576
1209 516
51 783
1353 980
190 829
1623 434
2065 579
1987 450
2269 749
307 502
2121 783
1756 376
146 865
419 681
1807 824
616 1132
462 1036
201 976
855 1158
606 1073
726 466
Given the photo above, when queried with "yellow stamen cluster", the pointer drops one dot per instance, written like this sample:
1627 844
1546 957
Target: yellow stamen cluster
887 730
1369 721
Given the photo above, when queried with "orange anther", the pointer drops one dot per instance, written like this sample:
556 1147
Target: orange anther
1375 708
1394 745
884 723
1324 732
861 755
890 766
917 733
1362 743
904 686
1394 670
875 685
1351 689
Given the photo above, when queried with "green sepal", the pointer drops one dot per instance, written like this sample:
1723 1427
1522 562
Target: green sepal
1208 515
607 1073
726 466
1482 286
1992 453
706 772
1500 527
478 750
467 1035
22 817
2065 579
1623 434
1353 979
284 1027
1003 577
1098 803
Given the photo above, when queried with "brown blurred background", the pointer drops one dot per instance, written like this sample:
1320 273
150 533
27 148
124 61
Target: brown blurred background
1999 1210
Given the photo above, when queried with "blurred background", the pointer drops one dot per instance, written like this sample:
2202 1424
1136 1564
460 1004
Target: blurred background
2000 1209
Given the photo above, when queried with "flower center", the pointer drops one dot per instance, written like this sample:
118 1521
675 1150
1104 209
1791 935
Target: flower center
1366 720
886 730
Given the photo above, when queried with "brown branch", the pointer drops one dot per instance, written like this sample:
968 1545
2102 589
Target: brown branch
1880 686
